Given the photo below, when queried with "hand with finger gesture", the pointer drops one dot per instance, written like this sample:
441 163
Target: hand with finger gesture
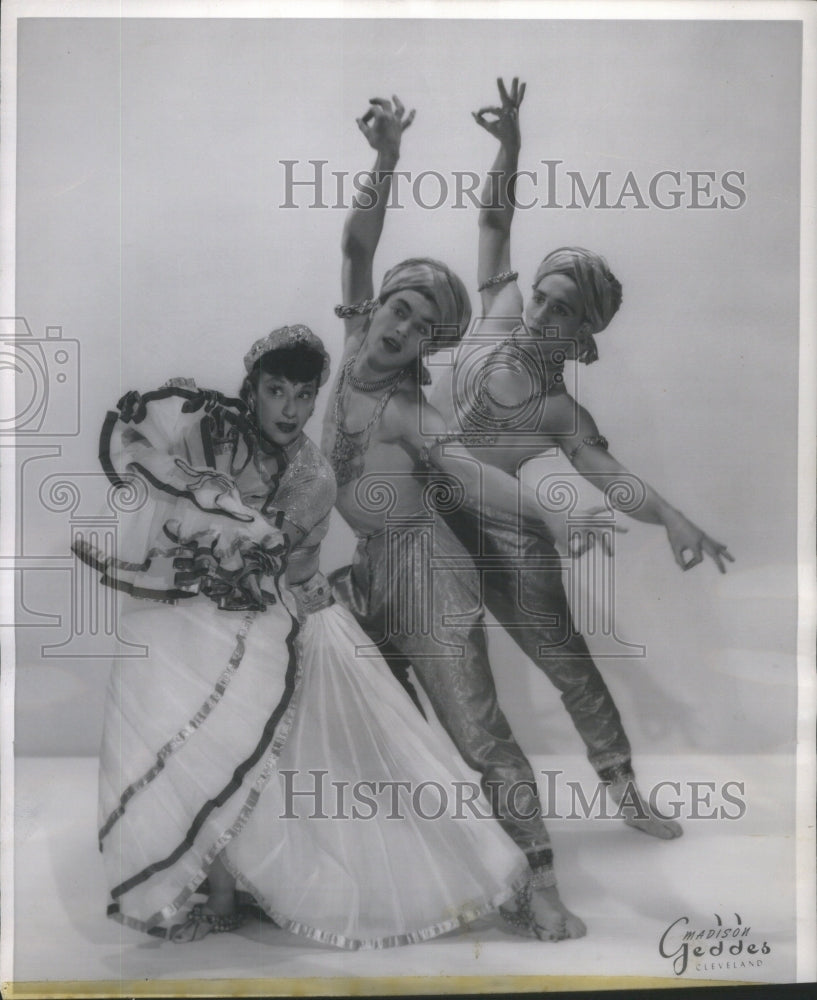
689 544
504 125
384 124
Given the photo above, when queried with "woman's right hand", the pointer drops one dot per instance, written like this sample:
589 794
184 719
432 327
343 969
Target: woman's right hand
384 124
214 491
505 123
261 561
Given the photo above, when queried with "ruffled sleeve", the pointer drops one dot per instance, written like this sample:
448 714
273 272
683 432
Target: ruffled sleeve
188 531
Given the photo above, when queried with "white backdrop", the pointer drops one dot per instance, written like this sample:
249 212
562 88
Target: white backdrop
150 228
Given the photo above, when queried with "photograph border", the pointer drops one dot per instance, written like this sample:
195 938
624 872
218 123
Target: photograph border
13 10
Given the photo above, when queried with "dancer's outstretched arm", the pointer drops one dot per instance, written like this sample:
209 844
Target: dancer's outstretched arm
481 482
502 303
498 203
383 125
587 451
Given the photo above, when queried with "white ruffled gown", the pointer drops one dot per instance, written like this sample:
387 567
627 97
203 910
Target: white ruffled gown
208 741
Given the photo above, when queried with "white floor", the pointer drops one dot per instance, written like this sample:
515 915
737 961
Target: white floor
627 887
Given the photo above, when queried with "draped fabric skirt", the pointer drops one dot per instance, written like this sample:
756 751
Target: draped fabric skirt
292 753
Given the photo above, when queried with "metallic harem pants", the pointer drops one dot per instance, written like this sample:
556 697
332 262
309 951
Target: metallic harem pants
415 591
521 585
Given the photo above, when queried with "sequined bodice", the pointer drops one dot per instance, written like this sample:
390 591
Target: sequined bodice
305 495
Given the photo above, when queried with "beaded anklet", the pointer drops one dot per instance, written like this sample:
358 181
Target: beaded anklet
207 923
522 919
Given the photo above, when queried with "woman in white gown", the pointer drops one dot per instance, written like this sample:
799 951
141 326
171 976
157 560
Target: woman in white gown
263 743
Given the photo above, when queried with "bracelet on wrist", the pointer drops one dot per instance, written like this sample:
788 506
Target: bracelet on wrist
499 279
356 309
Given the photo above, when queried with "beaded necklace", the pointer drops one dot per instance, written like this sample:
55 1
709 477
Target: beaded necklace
348 456
374 385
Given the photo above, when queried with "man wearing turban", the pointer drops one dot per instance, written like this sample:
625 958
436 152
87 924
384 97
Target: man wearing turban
378 432
518 408
599 290
438 283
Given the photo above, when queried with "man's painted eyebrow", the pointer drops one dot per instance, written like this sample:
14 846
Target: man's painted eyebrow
557 300
427 318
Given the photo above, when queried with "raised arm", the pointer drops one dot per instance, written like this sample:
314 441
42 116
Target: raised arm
383 125
498 202
587 452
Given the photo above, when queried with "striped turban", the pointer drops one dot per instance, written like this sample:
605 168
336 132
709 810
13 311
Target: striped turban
440 285
599 288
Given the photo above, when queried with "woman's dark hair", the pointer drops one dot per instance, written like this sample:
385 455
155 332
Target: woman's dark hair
296 364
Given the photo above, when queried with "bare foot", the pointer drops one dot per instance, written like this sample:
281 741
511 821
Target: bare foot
195 927
217 915
550 912
636 813
540 913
